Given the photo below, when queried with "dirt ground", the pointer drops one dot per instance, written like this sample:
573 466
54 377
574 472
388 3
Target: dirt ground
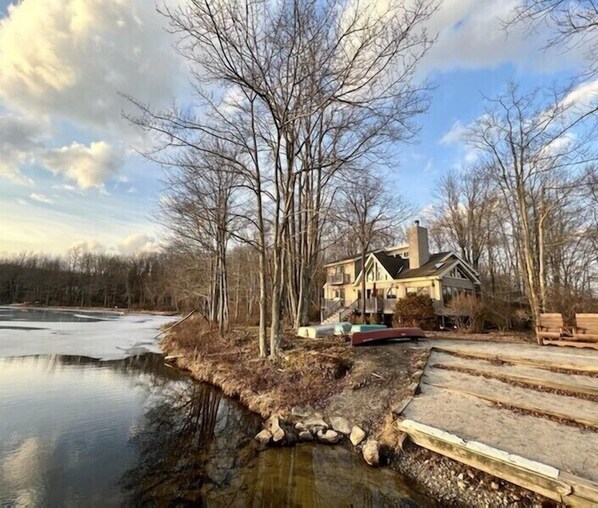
378 382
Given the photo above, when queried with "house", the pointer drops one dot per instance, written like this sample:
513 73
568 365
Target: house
394 273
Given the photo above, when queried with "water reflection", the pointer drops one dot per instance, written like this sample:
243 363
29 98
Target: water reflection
192 439
75 431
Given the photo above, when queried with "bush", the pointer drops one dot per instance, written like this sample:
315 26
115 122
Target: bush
415 310
469 312
376 319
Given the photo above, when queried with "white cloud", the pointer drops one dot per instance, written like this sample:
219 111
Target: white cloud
583 96
471 35
137 243
87 246
19 138
42 198
454 134
72 58
88 166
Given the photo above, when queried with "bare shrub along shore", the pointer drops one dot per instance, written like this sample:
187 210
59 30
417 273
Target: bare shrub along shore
323 381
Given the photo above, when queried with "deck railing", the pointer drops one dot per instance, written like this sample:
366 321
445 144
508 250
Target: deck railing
338 278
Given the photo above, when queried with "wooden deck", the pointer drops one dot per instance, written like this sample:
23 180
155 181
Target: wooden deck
529 418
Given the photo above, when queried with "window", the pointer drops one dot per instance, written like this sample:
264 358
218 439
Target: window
448 293
457 273
391 294
418 290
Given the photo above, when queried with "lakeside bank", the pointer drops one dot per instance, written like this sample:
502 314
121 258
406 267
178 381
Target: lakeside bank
315 383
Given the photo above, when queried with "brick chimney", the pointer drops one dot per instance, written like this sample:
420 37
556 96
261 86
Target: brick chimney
419 251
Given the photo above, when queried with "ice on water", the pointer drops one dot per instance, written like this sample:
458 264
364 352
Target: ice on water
106 337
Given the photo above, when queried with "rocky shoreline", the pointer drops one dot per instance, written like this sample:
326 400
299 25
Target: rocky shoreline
356 411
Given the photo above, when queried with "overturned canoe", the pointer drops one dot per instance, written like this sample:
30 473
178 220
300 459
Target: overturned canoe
367 328
317 331
360 338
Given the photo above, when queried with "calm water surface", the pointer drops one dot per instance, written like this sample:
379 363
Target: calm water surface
75 431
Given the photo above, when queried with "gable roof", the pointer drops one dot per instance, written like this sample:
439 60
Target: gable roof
392 264
430 268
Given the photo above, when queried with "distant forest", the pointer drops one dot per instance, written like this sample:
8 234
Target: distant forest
86 279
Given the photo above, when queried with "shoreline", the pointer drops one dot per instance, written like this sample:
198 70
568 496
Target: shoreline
371 387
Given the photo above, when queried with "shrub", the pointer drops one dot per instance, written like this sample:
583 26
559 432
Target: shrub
375 319
415 310
469 312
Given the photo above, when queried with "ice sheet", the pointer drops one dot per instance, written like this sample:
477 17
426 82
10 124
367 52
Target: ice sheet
107 340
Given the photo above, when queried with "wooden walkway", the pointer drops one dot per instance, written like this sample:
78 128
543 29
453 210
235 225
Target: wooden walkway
527 417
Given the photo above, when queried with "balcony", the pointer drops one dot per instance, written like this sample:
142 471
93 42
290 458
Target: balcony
338 279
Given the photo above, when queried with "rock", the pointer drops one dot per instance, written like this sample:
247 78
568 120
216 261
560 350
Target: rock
264 436
340 424
305 435
494 485
357 435
300 426
462 485
278 435
371 452
315 422
273 425
460 477
328 436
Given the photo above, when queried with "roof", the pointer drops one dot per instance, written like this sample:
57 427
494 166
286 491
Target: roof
430 268
392 264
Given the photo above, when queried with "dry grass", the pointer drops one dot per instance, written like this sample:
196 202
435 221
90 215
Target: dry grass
307 373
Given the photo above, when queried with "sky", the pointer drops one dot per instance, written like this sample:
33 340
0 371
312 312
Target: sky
70 173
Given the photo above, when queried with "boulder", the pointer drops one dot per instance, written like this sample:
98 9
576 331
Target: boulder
341 425
315 422
264 436
371 452
273 426
328 436
305 435
278 435
357 435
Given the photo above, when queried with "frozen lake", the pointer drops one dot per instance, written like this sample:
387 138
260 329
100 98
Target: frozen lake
101 335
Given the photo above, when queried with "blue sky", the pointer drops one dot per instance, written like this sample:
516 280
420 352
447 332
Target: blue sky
69 174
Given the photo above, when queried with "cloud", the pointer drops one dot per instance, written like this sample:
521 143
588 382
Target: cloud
42 198
137 243
454 134
471 36
72 58
87 246
20 137
88 166
583 96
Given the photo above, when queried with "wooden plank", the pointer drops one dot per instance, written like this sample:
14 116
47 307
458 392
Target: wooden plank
572 343
533 476
546 364
531 381
582 488
525 407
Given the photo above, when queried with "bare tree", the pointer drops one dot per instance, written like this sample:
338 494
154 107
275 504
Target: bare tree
369 215
574 22
464 213
535 148
300 90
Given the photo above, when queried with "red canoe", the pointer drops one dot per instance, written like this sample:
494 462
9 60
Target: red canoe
360 338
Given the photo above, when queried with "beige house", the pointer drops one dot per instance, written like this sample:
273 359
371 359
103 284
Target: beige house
393 273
